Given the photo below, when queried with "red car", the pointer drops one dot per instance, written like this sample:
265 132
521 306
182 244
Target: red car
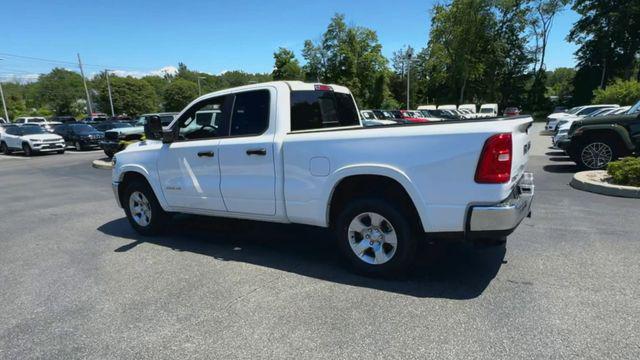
410 116
511 111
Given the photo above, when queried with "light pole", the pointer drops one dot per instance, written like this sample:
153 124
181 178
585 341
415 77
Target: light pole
4 103
113 113
409 55
199 87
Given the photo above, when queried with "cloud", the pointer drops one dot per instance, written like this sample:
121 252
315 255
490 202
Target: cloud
166 70
19 78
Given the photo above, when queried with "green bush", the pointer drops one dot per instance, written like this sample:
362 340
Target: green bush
625 171
620 92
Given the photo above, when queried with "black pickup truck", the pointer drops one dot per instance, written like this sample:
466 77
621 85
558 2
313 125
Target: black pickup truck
593 143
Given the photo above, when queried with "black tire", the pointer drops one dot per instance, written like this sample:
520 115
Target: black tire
60 152
27 150
405 234
597 153
5 149
158 217
109 153
78 146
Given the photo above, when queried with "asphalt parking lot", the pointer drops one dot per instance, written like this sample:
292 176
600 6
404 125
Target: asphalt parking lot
77 282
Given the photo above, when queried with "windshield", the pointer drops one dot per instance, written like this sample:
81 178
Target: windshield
367 115
574 110
634 109
36 120
82 128
121 125
31 130
486 111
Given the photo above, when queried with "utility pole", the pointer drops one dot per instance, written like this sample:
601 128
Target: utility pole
409 55
86 89
113 113
199 87
4 103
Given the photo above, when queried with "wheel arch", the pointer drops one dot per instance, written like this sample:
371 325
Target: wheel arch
134 172
347 183
619 133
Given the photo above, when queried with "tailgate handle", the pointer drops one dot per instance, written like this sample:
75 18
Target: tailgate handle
205 154
261 152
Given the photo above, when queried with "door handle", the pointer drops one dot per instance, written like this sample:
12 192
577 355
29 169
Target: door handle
205 154
261 152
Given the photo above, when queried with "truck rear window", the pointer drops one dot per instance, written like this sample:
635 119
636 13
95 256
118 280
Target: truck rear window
322 109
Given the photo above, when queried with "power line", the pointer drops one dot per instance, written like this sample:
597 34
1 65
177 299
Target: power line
75 64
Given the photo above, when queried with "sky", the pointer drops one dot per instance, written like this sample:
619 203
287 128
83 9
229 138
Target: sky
142 37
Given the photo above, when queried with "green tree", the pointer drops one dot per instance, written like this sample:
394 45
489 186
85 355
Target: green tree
609 44
286 65
131 96
560 82
622 92
462 35
60 89
179 94
350 56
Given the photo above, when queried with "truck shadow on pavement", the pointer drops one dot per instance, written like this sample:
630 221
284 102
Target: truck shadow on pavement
452 270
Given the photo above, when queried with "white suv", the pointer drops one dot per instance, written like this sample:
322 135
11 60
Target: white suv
574 114
46 124
30 139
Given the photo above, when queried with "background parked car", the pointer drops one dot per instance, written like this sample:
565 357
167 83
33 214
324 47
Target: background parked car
488 110
80 136
44 123
63 119
117 139
112 125
594 142
511 111
30 140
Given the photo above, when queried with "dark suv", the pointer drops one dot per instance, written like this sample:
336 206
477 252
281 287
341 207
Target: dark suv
81 136
594 142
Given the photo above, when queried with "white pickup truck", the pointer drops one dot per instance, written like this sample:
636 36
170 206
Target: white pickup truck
295 152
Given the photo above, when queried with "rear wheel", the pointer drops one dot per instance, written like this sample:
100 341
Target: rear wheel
5 149
143 211
60 151
78 146
375 237
596 154
26 148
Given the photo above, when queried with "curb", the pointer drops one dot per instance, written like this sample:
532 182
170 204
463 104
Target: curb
594 181
102 164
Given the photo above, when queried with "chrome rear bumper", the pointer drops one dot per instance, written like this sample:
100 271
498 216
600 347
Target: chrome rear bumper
504 217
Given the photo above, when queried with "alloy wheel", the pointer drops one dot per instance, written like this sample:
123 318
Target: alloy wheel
596 155
140 208
372 238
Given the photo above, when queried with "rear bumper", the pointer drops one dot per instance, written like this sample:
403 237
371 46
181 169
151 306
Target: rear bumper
503 218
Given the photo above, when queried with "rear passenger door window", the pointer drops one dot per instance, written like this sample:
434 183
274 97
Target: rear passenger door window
250 114
320 109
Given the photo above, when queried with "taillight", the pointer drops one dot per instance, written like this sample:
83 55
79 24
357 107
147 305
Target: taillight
323 88
494 166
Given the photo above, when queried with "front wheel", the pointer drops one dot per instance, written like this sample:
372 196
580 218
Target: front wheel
109 153
376 237
27 149
78 146
5 149
143 211
596 154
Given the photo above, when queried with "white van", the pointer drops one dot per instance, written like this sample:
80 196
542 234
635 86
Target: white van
470 107
427 107
488 110
447 107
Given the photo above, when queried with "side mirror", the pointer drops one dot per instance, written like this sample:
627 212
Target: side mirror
153 128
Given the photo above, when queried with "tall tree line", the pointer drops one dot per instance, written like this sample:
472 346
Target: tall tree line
477 51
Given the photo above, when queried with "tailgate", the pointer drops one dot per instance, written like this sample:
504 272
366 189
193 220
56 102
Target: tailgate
521 146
